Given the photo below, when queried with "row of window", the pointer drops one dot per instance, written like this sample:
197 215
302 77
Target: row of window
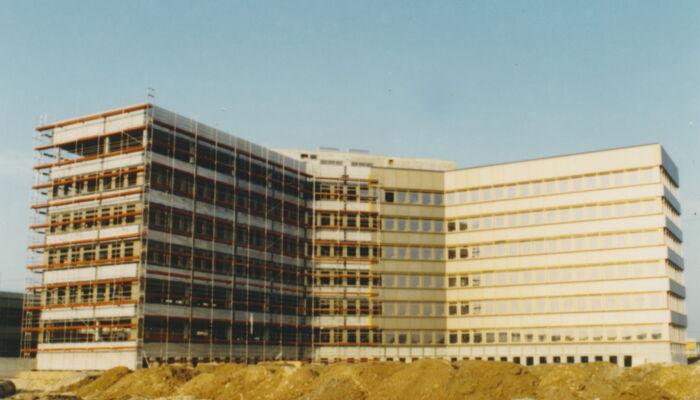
550 216
345 278
343 336
92 218
346 220
525 218
544 335
562 185
203 331
240 298
104 144
229 162
228 195
91 253
530 360
225 264
413 225
102 330
326 306
110 180
87 293
403 197
345 192
347 251
536 276
526 247
184 223
591 303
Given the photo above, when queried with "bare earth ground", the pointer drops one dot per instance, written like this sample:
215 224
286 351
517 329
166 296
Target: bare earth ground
426 379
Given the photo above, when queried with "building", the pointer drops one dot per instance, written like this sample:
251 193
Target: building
160 239
10 324
693 350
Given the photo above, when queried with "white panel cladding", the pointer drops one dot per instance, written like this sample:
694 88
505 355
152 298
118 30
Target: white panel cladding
342 290
85 345
331 321
336 265
334 205
114 123
91 273
87 360
336 234
99 164
125 310
93 234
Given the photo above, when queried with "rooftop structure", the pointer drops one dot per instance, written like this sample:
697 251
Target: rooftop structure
160 239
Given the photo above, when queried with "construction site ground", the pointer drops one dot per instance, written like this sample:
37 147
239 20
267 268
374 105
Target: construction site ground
425 379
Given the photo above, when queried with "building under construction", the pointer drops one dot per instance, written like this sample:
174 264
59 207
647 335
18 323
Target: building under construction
160 239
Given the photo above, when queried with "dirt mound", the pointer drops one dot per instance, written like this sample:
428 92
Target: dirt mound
591 381
425 379
119 383
488 380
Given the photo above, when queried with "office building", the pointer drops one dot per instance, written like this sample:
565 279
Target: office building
161 239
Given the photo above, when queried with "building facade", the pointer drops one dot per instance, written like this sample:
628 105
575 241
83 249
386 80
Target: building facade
160 239
11 323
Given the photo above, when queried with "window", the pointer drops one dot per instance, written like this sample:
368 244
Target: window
464 281
389 224
452 281
438 226
453 337
463 225
452 308
389 197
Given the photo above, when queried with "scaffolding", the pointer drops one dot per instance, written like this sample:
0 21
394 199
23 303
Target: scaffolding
224 275
160 239
346 234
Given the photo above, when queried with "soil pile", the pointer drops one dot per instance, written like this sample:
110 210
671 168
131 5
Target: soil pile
424 379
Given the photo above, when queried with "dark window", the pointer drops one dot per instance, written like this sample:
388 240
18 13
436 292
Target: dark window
389 197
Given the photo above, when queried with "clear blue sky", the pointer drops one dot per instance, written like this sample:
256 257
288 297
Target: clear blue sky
479 82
